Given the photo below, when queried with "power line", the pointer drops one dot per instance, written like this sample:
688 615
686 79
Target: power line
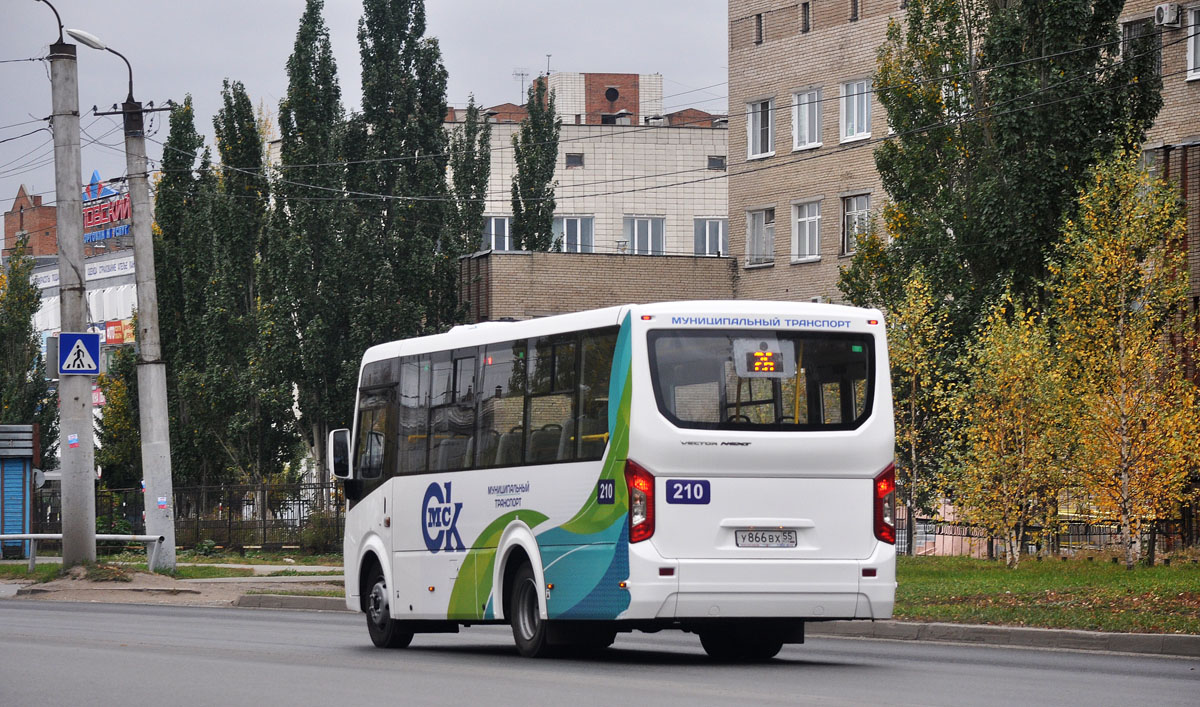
989 109
18 137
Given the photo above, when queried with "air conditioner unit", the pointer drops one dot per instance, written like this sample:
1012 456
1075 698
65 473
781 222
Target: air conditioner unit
1167 14
818 300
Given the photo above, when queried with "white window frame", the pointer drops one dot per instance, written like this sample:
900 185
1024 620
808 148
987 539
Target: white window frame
490 234
806 231
760 245
716 240
1192 26
806 112
635 246
560 234
856 218
754 114
855 121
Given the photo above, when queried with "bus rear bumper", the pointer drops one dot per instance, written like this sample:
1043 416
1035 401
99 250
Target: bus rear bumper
737 588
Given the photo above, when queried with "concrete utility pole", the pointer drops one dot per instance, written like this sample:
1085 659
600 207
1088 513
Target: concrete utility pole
151 369
74 392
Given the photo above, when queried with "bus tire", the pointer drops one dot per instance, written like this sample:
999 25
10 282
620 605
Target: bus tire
385 631
529 630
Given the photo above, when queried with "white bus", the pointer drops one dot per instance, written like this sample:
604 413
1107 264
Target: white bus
720 467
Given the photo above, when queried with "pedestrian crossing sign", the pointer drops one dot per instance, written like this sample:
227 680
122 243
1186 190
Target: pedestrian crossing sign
78 354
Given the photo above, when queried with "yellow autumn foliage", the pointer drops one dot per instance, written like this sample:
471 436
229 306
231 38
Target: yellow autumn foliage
1117 292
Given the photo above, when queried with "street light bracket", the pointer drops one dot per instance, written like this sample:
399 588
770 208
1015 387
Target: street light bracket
95 42
57 18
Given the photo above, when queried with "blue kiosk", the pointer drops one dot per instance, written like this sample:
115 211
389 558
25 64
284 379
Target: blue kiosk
16 486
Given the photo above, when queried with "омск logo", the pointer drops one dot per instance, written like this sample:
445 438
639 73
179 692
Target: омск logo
439 519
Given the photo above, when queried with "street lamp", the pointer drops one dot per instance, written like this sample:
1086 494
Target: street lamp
151 369
94 42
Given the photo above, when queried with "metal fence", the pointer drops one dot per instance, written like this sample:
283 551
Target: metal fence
940 534
269 516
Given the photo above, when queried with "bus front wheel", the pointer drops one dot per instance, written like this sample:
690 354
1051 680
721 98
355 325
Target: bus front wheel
529 630
385 631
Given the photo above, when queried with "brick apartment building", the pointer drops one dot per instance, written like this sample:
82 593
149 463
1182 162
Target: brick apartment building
802 178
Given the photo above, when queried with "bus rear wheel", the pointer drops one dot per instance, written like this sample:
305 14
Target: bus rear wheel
385 631
529 630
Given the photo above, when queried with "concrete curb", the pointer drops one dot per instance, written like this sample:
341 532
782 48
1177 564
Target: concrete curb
26 591
287 601
1145 643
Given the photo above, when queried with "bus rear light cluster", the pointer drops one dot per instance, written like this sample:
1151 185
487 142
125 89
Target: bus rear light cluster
641 501
884 490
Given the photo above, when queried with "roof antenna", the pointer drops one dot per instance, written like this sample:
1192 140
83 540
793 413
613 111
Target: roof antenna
520 74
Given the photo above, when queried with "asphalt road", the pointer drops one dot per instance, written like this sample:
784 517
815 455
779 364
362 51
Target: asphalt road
54 653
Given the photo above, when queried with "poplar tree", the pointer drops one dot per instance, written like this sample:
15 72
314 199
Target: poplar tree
248 409
312 287
396 151
470 167
183 260
535 150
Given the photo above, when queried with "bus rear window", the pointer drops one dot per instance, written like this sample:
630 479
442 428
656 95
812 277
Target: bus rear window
762 380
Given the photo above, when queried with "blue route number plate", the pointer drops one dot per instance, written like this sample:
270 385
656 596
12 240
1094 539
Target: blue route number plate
694 491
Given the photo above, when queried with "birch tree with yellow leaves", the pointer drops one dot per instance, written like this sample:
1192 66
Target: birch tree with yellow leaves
918 337
1011 429
1118 288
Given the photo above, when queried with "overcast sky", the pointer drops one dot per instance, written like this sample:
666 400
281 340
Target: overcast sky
179 47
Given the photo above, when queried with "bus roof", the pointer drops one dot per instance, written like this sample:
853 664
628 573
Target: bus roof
466 335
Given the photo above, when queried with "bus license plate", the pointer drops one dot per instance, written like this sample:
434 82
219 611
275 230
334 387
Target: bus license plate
765 538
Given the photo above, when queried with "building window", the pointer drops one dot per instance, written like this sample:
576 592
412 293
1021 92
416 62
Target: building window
856 212
712 236
622 118
758 28
806 231
854 10
573 234
1193 45
805 17
716 162
806 119
574 160
645 235
760 128
760 237
495 233
856 110
1140 37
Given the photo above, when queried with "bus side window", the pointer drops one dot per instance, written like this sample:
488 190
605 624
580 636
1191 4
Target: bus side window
452 414
588 435
501 434
414 414
551 397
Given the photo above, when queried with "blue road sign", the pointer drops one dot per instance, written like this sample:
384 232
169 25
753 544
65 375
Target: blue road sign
78 354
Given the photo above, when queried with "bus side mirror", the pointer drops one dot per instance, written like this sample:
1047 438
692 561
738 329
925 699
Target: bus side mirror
339 453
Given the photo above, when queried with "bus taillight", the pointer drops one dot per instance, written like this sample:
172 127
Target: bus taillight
641 501
884 490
